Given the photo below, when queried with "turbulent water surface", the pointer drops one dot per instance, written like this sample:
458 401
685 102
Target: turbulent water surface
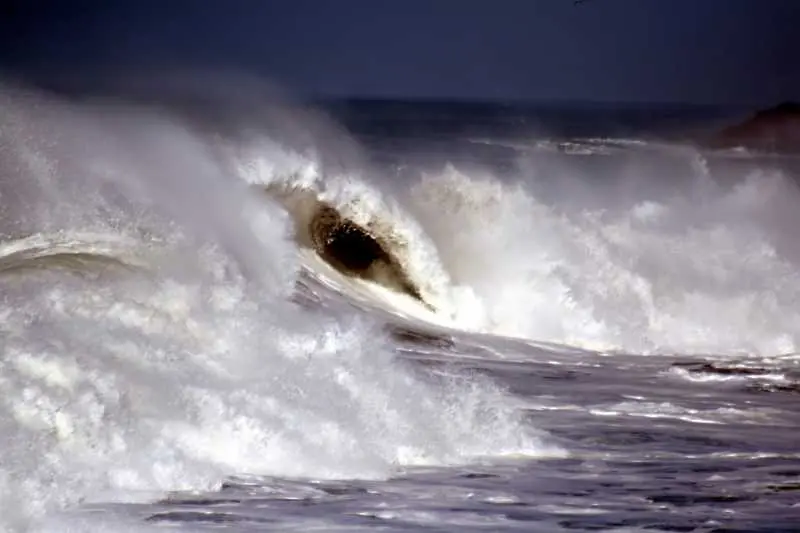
224 313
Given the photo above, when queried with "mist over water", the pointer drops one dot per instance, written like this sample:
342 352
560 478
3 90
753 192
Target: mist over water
151 341
706 269
192 364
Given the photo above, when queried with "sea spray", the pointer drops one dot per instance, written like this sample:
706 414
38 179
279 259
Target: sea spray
196 366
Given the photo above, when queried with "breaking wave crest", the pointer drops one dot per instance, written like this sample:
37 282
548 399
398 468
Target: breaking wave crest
149 253
82 255
664 250
678 254
150 342
708 267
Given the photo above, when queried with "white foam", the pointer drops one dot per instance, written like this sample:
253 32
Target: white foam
703 271
362 201
707 265
199 367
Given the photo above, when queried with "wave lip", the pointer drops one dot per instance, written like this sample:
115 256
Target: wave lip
81 254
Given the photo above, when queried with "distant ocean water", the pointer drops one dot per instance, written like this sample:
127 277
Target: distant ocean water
224 313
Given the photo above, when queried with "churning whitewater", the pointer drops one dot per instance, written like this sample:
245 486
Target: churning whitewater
210 284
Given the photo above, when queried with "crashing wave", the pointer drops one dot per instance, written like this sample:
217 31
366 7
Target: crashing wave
353 249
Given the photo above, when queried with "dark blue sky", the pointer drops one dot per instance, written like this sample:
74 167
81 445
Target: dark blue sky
704 51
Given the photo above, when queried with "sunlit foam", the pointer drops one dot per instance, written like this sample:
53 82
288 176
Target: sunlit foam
198 366
707 272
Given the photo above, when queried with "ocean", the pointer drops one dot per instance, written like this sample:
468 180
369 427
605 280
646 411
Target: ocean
223 310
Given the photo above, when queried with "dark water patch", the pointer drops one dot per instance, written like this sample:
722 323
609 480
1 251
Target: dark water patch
204 517
756 379
791 388
723 370
688 499
784 487
784 526
613 434
785 472
343 490
584 525
479 475
201 501
406 335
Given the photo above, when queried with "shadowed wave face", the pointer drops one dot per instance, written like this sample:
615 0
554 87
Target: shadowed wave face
344 243
350 248
356 251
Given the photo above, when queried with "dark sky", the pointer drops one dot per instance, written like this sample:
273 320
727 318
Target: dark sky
703 51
